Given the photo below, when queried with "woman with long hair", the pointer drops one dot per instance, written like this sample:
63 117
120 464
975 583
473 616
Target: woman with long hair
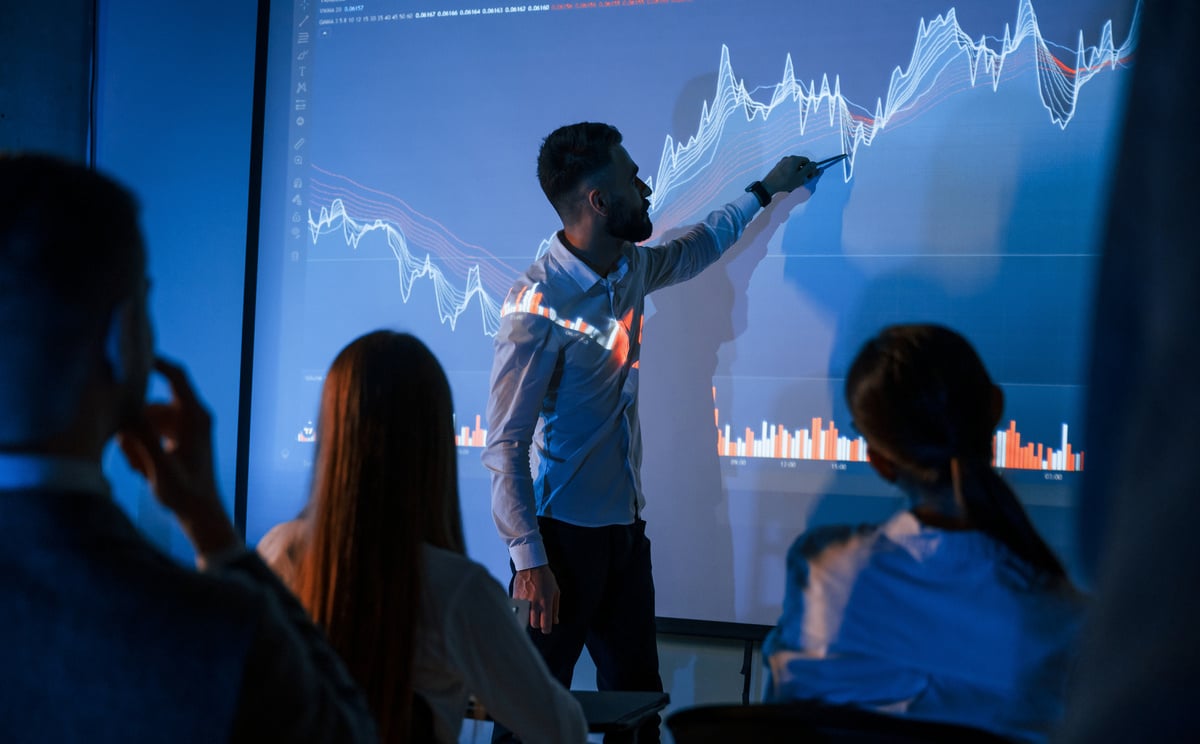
376 557
955 609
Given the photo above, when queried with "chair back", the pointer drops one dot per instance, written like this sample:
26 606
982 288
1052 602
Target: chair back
421 726
806 721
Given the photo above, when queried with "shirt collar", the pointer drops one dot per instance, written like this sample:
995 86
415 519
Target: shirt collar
921 540
903 525
583 274
46 473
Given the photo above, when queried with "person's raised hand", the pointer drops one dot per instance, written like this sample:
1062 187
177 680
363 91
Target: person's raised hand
539 586
171 446
790 173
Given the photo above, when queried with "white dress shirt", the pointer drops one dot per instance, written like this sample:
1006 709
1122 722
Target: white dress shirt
565 382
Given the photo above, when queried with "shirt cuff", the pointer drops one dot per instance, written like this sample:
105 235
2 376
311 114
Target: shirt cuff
528 555
748 205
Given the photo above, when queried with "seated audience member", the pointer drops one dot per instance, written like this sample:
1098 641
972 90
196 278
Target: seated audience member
105 639
954 609
377 557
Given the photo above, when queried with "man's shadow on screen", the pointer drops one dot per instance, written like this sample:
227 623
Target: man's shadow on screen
861 303
681 473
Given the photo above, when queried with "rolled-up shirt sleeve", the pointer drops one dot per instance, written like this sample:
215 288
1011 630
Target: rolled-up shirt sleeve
702 244
526 356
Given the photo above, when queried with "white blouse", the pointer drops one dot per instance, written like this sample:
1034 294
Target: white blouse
469 643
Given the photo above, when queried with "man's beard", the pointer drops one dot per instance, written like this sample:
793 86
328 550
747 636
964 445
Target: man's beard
632 224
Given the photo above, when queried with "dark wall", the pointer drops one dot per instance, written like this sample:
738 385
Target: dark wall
44 73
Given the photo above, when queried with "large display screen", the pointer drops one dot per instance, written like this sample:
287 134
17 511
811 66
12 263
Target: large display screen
399 191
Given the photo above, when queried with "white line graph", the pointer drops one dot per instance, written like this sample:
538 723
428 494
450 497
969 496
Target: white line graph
941 44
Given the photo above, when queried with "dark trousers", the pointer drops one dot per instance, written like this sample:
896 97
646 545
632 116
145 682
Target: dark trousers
606 605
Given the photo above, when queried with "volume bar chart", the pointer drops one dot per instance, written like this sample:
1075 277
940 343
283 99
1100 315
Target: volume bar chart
468 437
1008 452
822 441
776 441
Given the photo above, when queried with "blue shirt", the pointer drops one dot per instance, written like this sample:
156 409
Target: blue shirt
42 472
565 381
908 618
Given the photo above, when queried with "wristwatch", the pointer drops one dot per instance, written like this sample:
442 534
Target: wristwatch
760 191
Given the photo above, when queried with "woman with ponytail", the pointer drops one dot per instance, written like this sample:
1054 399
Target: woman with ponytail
955 609
376 558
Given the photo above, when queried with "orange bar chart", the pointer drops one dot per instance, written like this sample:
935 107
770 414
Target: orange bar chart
775 441
1009 452
472 437
822 441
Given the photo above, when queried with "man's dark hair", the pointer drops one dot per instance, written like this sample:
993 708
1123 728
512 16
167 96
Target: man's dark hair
66 229
571 154
70 251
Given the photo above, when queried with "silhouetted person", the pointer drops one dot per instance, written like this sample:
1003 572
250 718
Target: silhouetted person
1139 505
102 637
